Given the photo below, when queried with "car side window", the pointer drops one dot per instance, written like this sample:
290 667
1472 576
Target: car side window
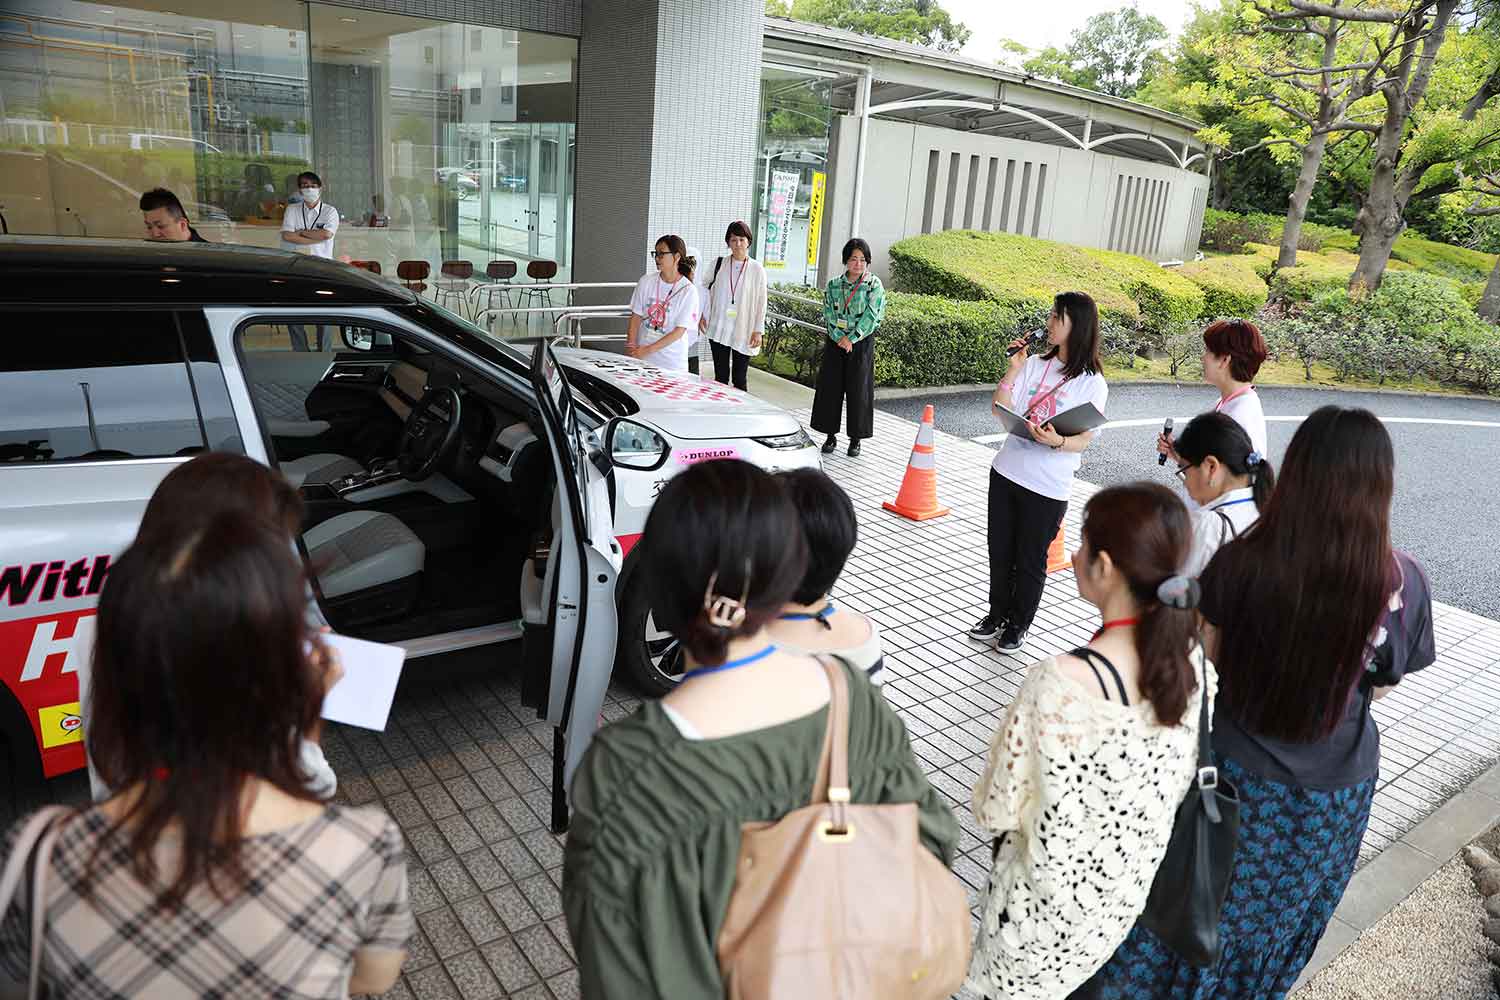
103 386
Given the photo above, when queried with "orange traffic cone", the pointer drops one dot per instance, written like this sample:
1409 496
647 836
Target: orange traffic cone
1057 554
917 498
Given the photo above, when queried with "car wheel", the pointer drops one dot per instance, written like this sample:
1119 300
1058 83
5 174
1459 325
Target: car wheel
652 660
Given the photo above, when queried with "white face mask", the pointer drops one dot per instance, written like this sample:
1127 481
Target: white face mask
310 195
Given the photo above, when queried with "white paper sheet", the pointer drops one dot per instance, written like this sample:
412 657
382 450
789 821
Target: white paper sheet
363 696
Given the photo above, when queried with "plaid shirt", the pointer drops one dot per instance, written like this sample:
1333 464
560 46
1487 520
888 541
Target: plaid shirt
318 892
863 314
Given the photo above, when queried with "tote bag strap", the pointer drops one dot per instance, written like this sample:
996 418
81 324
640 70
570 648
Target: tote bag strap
33 847
832 785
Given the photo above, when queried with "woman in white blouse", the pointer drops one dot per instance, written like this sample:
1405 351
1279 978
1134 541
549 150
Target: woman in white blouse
734 308
664 308
1233 351
1091 760
1226 477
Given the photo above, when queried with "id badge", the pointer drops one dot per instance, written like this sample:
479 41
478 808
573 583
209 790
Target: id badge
731 312
842 324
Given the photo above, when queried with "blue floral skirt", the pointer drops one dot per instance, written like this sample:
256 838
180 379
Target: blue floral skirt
1296 853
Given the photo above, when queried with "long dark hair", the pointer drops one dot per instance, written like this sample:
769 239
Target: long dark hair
1146 531
731 522
1220 435
1296 597
685 264
1083 336
216 482
201 682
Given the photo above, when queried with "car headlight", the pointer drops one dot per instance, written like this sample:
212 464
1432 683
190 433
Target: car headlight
786 442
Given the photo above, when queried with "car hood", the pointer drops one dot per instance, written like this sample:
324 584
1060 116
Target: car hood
679 402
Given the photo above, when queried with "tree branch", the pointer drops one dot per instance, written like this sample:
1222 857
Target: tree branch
1308 7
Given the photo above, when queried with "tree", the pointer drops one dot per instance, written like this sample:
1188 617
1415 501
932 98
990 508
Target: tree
922 22
1381 218
1112 53
1312 67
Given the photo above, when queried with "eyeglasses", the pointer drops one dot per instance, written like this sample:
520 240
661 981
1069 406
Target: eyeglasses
658 254
1182 470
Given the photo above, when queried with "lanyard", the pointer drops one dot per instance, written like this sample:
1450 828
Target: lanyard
317 215
1031 407
1231 503
852 289
1236 394
820 616
732 292
743 661
1115 623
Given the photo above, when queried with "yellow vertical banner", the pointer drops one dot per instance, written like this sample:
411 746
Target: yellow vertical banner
815 217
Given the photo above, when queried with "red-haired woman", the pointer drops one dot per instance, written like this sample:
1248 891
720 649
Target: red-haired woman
1313 616
1096 751
1233 351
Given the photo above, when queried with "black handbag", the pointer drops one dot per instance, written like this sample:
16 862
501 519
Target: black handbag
1188 893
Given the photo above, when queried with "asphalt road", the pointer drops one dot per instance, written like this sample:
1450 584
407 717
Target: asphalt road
1447 474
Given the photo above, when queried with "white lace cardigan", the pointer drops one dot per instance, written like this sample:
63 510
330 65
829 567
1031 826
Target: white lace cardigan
1085 792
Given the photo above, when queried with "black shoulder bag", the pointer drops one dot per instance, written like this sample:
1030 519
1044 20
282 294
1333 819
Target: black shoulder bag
1193 879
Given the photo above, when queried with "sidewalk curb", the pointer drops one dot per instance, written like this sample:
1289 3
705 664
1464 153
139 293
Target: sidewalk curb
949 390
1393 874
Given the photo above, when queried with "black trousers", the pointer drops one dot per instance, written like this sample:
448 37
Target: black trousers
1021 526
726 357
846 375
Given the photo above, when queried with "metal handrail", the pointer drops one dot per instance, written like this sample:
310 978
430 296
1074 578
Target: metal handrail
576 317
496 310
793 298
794 321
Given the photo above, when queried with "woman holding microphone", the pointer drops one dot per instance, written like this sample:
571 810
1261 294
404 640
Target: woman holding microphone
853 306
1032 477
1233 351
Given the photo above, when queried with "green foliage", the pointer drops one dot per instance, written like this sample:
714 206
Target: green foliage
1230 285
1232 232
923 22
924 340
1131 293
1413 325
1183 348
1112 53
1458 263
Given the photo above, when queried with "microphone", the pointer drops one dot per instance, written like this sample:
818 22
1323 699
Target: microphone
1166 430
1034 337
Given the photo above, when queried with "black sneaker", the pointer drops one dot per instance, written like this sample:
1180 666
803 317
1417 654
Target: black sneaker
985 629
853 449
831 445
1011 640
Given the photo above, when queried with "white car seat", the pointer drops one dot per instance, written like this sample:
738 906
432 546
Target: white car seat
368 564
321 468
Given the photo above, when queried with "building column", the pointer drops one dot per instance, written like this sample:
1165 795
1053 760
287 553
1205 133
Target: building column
668 126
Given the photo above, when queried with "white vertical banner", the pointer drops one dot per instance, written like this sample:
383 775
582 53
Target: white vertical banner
779 216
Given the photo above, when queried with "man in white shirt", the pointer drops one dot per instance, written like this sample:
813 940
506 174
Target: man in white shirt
309 227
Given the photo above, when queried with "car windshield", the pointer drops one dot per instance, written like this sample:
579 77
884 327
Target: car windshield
505 345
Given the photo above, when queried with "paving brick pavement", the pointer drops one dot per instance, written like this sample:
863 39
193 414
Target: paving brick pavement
465 770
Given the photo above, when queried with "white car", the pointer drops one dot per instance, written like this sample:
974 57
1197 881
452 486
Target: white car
460 491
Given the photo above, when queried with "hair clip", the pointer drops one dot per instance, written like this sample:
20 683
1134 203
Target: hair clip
725 612
1179 592
1254 458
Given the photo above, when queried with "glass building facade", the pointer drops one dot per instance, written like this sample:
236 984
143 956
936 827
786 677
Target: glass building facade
435 140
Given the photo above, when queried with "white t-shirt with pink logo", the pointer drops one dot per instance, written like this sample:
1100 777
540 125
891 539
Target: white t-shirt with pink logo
663 308
1042 388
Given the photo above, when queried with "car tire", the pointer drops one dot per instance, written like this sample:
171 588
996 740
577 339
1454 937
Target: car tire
645 657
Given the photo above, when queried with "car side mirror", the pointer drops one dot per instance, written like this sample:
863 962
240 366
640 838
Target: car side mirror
635 446
358 340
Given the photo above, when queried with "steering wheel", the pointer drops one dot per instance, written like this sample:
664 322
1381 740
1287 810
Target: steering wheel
430 433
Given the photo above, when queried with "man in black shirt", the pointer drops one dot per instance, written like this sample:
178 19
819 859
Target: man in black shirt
165 220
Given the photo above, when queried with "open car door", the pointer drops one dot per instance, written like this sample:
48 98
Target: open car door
585 563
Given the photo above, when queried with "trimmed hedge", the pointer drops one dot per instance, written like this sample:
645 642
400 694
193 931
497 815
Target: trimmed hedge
1457 263
1026 273
924 340
1231 232
1231 286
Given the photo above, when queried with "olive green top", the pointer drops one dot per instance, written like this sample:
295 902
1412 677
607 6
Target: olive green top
655 836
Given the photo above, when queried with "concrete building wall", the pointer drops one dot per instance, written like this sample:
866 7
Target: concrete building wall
659 152
921 179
